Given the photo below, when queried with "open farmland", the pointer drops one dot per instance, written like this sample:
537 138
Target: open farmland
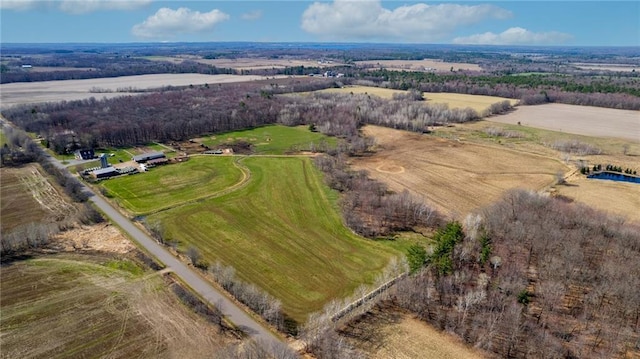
420 65
391 333
81 306
263 63
457 177
275 140
169 185
282 232
581 120
18 205
453 100
67 90
27 196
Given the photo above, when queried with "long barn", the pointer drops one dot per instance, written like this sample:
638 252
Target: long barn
148 156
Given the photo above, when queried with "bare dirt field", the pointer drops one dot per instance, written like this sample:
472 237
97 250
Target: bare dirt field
27 196
420 65
264 63
94 305
581 120
606 67
393 334
46 91
61 68
454 176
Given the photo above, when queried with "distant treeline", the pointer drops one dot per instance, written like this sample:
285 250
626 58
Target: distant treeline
102 66
612 92
197 110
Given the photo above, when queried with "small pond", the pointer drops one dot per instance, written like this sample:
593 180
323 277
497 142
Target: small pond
615 176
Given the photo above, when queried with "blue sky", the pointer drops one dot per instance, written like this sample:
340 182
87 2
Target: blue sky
582 23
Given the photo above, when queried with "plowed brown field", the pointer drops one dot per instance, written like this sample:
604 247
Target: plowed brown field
456 177
579 120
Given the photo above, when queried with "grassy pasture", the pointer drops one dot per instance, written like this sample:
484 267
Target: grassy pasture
81 306
167 186
453 100
272 140
282 232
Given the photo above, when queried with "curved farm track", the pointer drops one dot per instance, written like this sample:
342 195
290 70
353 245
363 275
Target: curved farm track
246 176
455 177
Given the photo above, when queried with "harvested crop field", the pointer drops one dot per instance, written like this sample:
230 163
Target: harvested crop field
580 120
263 63
455 177
92 305
420 65
390 333
453 100
27 196
50 91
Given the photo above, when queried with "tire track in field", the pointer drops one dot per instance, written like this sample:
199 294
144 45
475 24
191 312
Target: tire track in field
246 176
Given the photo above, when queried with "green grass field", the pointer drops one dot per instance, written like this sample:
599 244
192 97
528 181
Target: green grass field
282 232
273 139
167 186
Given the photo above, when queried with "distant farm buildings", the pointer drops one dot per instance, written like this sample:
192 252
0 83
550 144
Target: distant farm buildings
87 154
148 157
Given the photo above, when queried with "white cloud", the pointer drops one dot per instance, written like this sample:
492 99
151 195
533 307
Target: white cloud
515 36
20 5
73 6
252 15
168 23
349 19
86 6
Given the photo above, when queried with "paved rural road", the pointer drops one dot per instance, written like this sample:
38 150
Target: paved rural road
234 313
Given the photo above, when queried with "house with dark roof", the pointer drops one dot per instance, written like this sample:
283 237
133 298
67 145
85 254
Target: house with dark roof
87 154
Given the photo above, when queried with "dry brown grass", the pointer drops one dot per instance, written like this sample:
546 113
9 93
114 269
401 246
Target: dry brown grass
391 333
581 120
420 65
45 91
71 305
453 100
455 176
27 196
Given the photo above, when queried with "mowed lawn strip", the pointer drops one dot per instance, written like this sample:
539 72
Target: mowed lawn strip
273 139
282 232
169 185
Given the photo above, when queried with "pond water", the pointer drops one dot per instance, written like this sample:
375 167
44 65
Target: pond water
615 176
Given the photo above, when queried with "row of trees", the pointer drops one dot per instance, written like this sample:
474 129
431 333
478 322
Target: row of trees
368 207
620 93
18 150
163 116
